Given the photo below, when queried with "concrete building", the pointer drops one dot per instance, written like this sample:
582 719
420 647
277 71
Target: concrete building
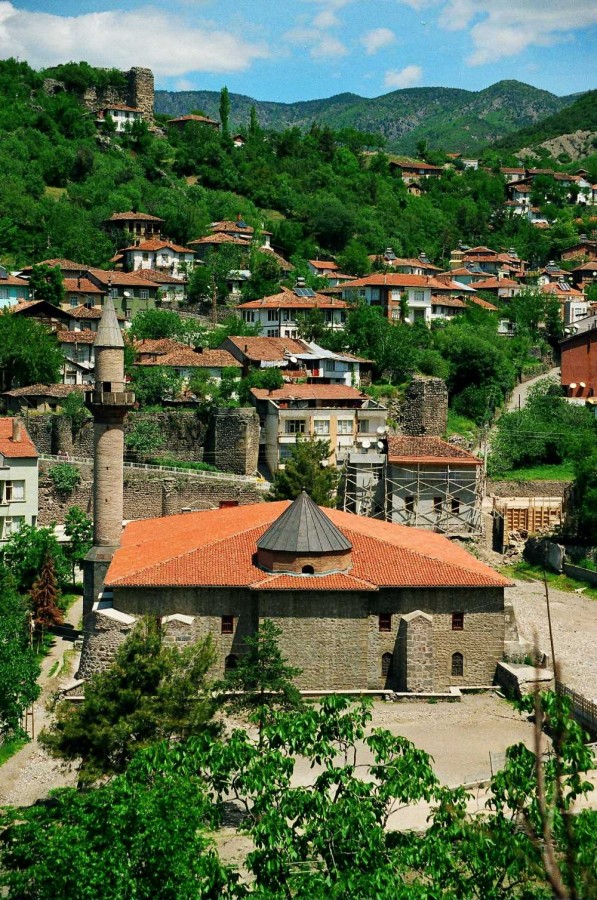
18 478
391 291
342 415
362 604
159 254
433 485
13 289
109 402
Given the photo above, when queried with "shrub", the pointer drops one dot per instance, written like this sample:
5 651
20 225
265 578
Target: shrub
66 477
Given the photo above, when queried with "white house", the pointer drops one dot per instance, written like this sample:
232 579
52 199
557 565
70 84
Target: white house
18 478
342 415
122 116
159 254
280 314
79 355
399 296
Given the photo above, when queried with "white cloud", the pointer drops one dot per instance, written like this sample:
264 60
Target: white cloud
376 39
501 30
327 18
144 36
407 77
328 47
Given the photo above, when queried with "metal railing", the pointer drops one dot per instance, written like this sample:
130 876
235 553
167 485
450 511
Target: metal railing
583 709
259 483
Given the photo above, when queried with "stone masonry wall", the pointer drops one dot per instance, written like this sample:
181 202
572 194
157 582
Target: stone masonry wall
425 409
334 637
143 493
232 440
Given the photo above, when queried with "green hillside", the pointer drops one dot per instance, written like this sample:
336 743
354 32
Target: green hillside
450 118
581 115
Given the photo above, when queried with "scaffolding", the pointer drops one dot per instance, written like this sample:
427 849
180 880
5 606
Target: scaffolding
445 498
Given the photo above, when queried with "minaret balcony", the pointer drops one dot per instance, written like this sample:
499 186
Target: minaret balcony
96 399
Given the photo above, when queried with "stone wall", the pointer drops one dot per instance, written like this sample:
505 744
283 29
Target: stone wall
334 637
143 493
229 440
425 409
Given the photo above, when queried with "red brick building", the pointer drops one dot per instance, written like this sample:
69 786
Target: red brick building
579 359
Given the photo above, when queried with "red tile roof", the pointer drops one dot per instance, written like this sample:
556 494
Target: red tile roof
133 216
561 291
323 264
81 286
219 238
154 244
229 225
442 300
192 118
87 312
216 548
46 390
76 337
119 106
484 304
14 281
66 264
310 392
159 277
428 450
185 357
491 283
268 349
115 277
23 449
391 279
287 299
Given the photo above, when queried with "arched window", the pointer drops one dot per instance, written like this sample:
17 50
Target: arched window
230 662
308 570
386 665
457 664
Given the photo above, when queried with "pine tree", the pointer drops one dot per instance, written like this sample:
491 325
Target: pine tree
44 597
224 110
307 469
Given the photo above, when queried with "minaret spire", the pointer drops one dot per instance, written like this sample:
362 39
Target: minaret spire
109 401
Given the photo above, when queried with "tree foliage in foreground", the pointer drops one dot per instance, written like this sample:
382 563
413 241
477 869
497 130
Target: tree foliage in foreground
26 551
262 681
307 469
151 691
19 668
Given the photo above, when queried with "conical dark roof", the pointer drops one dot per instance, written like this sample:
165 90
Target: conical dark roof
303 528
109 333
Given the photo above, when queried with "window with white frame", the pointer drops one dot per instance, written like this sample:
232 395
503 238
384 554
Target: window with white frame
248 315
294 426
364 426
14 491
321 426
114 293
11 525
144 294
272 332
272 315
419 296
344 426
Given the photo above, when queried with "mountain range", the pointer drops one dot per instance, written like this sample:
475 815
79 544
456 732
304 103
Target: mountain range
451 118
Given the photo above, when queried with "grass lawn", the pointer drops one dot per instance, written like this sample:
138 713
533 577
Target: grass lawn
458 424
556 472
9 748
527 572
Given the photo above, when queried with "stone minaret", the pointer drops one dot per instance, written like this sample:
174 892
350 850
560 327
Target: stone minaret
109 401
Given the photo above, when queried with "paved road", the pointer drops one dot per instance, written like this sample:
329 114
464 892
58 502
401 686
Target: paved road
521 391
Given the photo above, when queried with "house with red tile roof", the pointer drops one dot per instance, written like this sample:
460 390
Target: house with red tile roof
389 290
13 289
356 599
122 116
408 266
137 225
181 122
158 253
299 359
279 314
184 361
130 293
579 358
78 349
18 478
501 288
337 413
574 304
434 485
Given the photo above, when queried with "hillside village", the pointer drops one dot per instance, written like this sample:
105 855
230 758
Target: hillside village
291 386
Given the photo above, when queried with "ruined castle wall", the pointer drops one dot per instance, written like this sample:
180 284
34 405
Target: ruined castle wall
425 409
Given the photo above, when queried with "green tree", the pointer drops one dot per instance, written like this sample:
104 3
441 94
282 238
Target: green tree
311 325
73 408
145 437
354 259
78 528
307 468
19 669
225 110
150 692
158 844
47 283
29 353
154 384
25 552
154 324
262 681
45 598
65 477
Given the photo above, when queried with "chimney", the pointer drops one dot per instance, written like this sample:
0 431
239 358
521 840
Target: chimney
17 434
227 504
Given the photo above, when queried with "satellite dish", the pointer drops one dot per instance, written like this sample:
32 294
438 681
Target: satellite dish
366 444
381 429
380 444
293 359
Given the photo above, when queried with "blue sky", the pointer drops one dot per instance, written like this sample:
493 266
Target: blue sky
289 50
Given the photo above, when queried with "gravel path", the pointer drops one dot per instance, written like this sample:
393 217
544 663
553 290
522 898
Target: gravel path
520 393
574 621
31 773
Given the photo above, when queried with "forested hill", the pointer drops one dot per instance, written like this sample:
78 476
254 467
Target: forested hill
581 116
459 120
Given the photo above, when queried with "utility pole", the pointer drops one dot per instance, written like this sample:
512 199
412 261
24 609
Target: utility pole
214 302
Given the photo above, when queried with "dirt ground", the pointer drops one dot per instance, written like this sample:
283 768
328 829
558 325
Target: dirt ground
574 621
